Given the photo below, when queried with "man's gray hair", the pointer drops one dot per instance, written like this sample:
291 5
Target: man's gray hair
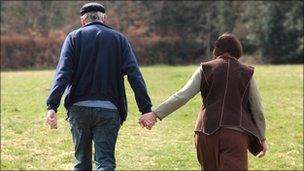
93 16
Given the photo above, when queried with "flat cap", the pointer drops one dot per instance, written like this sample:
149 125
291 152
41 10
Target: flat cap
92 6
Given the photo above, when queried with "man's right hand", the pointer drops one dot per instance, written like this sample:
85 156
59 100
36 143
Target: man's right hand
51 119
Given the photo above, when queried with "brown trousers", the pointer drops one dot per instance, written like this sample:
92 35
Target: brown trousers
226 149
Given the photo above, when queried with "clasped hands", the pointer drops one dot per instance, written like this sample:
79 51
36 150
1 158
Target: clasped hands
148 120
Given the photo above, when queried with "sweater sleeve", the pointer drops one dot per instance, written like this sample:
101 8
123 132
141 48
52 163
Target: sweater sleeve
63 74
131 69
256 107
181 97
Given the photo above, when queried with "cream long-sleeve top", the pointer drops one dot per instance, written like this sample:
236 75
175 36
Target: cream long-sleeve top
193 86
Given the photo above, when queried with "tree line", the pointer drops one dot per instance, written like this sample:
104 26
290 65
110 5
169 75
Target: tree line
169 32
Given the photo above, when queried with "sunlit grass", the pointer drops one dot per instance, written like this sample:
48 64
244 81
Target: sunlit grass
27 143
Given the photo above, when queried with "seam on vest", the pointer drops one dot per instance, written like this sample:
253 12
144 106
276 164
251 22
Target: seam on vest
210 132
242 103
260 139
242 113
206 99
204 75
225 93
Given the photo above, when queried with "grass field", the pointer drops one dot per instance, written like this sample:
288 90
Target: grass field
27 143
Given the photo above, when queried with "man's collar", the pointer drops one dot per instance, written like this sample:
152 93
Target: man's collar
97 22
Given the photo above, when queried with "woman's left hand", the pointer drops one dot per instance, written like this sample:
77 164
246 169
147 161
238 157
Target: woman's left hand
265 149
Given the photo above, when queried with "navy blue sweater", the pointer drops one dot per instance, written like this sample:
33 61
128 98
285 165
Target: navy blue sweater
93 62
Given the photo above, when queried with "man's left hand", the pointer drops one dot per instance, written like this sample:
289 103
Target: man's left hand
51 119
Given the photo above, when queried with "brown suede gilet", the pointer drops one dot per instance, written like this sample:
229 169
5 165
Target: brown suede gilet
224 91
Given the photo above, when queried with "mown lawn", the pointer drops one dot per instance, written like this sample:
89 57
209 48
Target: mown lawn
27 143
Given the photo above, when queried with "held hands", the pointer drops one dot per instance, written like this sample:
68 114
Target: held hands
148 120
51 119
265 149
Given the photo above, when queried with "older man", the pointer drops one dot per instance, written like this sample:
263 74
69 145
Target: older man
93 62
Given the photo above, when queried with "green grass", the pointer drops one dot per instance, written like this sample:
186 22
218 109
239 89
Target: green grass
27 143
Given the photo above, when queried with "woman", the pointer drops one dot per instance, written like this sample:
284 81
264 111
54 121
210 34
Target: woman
231 119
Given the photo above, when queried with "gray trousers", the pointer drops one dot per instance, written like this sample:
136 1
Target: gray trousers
98 125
